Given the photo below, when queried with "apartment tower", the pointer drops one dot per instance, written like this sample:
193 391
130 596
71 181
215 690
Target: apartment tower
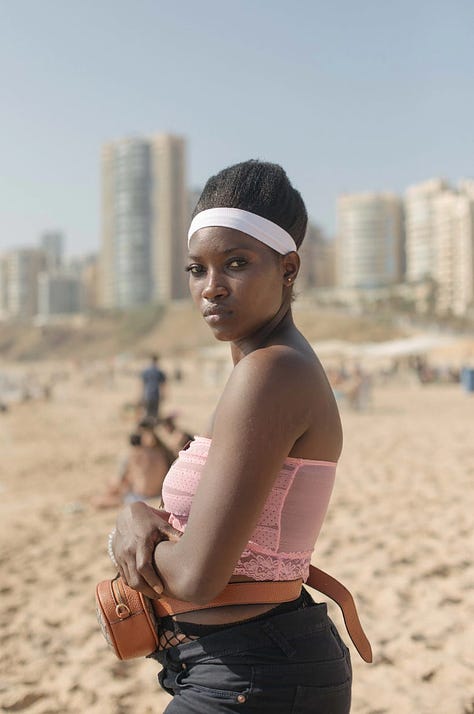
20 271
453 232
52 244
144 218
317 255
440 242
369 251
419 228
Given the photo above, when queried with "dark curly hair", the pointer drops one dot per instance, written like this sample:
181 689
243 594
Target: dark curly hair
259 187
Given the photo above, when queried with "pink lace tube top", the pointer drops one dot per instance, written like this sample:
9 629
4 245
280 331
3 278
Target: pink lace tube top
281 545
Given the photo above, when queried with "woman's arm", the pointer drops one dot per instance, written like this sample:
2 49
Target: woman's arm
265 408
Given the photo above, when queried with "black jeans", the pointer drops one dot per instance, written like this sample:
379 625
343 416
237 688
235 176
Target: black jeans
294 663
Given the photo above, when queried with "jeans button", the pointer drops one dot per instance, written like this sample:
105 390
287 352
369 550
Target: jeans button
184 665
241 698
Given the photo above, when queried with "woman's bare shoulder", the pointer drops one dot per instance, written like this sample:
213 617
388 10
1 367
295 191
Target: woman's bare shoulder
281 367
273 383
278 357
286 385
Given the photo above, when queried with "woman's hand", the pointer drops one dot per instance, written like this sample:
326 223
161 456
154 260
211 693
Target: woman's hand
139 529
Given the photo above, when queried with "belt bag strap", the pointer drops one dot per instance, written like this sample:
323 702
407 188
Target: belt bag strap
247 593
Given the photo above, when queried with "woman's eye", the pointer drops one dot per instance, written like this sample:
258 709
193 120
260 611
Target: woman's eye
237 263
195 269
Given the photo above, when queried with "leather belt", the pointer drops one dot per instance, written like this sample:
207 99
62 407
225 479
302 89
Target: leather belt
260 592
326 584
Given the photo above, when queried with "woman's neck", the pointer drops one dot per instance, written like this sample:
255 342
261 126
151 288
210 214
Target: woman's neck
272 330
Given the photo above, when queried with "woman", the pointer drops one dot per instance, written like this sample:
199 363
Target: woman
250 496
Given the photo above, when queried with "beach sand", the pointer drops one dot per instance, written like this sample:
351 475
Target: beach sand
398 534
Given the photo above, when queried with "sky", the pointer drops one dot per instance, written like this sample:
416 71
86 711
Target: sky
347 96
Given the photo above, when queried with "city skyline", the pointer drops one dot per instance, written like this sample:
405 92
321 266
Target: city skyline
416 253
346 98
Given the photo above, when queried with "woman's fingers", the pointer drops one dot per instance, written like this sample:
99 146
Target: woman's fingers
138 571
135 580
123 570
139 529
150 577
169 533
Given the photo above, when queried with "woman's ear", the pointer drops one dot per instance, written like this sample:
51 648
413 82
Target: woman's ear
290 266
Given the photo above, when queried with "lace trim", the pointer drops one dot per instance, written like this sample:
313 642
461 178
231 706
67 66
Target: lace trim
178 523
259 566
254 547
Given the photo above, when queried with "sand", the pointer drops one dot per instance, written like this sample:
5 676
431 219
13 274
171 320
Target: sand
398 533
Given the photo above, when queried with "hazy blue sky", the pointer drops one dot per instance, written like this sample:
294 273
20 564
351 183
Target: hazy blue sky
346 95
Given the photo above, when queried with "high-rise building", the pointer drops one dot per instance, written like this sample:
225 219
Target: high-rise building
439 242
317 260
170 210
90 283
52 244
369 251
144 217
126 223
22 269
3 287
419 228
453 233
58 294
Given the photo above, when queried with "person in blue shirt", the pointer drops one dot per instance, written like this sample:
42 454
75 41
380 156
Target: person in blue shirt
152 378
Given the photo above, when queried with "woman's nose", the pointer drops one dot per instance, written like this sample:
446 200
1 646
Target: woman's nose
214 288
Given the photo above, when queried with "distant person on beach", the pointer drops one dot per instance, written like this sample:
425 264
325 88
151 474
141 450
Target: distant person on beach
359 390
141 471
245 501
152 380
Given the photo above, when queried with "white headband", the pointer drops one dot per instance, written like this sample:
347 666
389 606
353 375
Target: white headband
260 228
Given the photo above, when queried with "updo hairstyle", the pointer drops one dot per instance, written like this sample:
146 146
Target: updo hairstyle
259 187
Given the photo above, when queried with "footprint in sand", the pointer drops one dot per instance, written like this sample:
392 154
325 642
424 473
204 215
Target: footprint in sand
23 703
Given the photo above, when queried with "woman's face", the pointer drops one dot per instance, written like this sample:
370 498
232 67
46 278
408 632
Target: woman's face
235 280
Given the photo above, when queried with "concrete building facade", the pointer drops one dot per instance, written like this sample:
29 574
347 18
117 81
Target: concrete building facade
317 255
170 214
58 294
52 244
90 283
21 273
3 287
439 242
420 244
127 223
453 233
144 218
369 248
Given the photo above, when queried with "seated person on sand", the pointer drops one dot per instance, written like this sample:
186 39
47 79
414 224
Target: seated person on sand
175 438
141 472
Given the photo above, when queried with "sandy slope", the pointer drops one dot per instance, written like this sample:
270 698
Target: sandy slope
399 533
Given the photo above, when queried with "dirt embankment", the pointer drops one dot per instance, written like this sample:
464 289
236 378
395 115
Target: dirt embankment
170 329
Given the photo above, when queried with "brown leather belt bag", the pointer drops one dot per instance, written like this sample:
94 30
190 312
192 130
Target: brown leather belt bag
129 619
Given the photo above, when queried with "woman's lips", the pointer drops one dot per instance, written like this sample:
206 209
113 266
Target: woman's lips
215 313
